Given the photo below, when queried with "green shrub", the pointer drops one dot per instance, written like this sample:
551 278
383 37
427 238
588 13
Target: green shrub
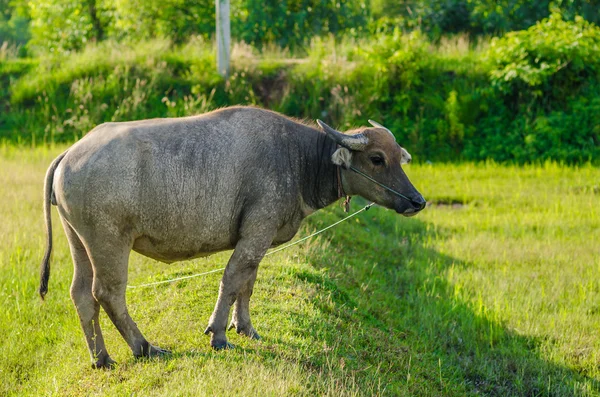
545 85
551 61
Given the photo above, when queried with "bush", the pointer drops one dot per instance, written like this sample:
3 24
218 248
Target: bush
546 81
444 102
552 60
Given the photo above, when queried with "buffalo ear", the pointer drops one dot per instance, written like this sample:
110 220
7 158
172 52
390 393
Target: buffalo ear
342 157
406 157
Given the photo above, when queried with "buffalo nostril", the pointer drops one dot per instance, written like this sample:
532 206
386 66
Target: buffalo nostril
419 204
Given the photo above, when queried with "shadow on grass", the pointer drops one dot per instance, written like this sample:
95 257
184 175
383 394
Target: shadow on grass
388 306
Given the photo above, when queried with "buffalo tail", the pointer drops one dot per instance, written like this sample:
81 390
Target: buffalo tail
45 266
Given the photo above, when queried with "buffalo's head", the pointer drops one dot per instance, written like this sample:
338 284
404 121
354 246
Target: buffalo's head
373 153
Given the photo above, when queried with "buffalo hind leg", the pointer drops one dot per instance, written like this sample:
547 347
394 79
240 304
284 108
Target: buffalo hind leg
241 268
240 320
110 283
88 308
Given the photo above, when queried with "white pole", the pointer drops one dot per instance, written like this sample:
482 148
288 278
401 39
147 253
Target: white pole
223 37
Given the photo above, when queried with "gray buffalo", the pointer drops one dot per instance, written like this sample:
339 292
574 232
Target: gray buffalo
173 189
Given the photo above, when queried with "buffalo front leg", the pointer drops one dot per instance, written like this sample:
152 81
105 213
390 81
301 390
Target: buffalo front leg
240 320
241 268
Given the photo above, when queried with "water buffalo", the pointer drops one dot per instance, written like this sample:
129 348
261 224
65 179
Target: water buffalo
238 178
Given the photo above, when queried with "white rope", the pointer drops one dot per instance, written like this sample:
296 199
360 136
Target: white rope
366 207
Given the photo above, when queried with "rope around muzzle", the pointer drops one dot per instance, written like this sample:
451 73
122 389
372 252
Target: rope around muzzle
359 172
365 208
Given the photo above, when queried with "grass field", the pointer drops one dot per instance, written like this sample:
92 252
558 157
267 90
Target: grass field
492 290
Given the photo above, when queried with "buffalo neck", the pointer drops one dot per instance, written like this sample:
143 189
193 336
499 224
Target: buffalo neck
319 183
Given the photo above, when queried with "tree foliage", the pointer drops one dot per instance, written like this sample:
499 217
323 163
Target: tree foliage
480 16
14 21
174 19
66 25
291 22
62 26
59 26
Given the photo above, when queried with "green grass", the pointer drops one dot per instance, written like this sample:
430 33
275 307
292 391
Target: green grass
492 290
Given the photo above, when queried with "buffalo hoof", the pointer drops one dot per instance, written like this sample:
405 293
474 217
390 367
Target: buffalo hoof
248 331
104 363
221 345
218 343
154 351
147 350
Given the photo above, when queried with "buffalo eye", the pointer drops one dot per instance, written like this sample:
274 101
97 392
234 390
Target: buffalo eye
377 160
